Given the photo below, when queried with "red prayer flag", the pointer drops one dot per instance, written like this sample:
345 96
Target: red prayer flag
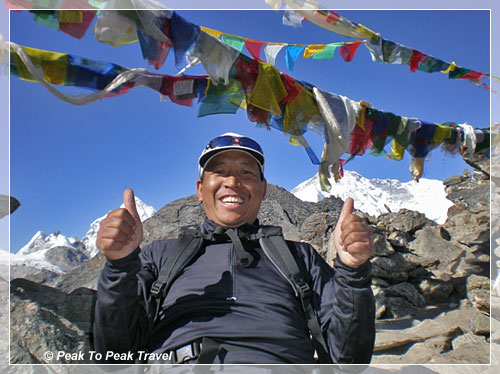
291 89
18 4
415 60
472 75
254 47
77 30
347 51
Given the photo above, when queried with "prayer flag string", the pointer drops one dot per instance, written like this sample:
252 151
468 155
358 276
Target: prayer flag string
381 49
271 98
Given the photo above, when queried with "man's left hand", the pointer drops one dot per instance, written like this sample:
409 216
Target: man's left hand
353 237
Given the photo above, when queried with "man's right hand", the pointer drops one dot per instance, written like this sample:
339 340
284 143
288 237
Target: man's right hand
121 231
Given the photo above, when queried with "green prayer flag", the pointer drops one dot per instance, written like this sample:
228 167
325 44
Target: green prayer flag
236 43
327 53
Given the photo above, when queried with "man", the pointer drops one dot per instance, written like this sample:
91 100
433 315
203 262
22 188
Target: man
232 303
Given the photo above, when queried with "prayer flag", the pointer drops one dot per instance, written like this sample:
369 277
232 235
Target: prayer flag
292 53
271 51
254 48
348 50
236 43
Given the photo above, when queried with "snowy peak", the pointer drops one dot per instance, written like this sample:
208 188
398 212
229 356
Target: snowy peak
58 253
43 241
376 196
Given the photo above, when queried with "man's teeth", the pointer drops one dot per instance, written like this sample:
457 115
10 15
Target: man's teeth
232 200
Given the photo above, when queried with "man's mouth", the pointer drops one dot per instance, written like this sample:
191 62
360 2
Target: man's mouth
232 200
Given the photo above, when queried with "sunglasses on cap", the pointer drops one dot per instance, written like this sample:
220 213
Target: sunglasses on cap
228 140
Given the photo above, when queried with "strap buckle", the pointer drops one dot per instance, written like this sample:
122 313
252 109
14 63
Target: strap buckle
185 353
157 288
303 289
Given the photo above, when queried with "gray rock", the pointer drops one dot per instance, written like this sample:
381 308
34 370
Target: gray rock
405 220
478 292
314 230
45 319
394 268
429 249
382 246
436 290
408 291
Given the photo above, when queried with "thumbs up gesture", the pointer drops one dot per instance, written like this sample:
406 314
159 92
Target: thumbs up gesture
121 231
353 237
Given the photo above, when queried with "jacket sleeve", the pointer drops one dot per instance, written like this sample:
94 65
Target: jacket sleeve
121 319
345 305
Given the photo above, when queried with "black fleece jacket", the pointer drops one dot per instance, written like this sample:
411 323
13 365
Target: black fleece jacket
251 306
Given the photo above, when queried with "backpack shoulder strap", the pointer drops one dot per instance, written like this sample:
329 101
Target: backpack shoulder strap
185 249
274 246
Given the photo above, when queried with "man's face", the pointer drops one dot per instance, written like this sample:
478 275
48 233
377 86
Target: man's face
232 190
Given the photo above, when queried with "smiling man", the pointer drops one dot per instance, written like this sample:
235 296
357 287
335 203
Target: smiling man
233 291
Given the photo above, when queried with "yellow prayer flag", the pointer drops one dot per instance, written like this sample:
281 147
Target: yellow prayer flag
367 32
53 64
440 134
268 90
215 33
397 151
360 118
71 16
417 167
450 68
312 49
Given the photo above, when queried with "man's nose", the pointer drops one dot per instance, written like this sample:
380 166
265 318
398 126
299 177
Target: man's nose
232 180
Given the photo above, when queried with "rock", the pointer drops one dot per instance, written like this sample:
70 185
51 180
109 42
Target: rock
394 268
435 290
398 239
382 246
314 230
398 307
478 292
66 258
45 319
380 307
480 324
420 352
429 249
425 330
470 227
405 220
455 179
467 338
408 291
471 353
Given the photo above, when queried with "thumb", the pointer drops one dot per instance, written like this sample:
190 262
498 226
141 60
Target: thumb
346 209
129 202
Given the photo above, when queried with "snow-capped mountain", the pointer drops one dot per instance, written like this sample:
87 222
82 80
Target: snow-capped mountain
57 253
374 196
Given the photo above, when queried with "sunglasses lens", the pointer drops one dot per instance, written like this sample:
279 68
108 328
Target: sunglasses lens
224 141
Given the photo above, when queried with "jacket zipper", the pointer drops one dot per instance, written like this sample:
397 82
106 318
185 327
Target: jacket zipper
231 271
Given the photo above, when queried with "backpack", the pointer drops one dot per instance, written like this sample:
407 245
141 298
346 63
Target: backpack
275 248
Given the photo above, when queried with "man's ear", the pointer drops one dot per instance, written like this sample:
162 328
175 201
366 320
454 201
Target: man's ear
264 188
199 190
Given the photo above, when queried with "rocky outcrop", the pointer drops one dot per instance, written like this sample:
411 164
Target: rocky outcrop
431 282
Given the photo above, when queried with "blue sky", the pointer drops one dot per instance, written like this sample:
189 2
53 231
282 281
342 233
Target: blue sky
69 164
